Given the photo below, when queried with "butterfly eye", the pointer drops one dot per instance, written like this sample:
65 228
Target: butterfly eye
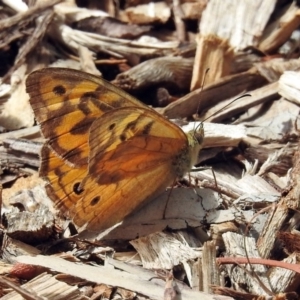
95 200
77 188
59 90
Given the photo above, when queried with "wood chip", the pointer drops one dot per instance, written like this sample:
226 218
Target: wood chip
143 286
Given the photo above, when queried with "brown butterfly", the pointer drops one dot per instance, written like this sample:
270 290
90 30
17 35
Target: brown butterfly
107 153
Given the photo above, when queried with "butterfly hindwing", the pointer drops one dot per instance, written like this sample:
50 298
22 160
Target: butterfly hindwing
133 154
63 179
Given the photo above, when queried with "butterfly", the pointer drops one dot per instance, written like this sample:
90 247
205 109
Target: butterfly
107 154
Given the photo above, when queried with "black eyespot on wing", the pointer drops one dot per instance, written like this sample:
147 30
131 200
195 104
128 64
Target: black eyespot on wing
59 90
95 200
77 189
112 126
123 137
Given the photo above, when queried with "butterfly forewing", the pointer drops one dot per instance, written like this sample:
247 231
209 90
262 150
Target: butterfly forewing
66 102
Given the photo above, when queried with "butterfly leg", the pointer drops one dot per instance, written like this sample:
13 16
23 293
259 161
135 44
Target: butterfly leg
217 188
169 196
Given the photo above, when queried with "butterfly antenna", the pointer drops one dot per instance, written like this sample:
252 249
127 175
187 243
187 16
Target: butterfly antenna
218 111
213 114
169 196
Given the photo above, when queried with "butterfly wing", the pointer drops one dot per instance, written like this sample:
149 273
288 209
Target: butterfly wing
66 102
133 152
133 157
63 179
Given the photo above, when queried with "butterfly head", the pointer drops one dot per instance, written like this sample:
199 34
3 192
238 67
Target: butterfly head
195 140
198 134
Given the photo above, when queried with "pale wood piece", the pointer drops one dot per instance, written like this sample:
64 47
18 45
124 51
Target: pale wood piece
284 279
289 86
242 24
17 112
244 61
45 286
254 184
119 48
258 96
5 268
149 13
33 185
280 30
226 180
72 13
236 186
23 17
28 295
234 293
183 208
279 156
30 227
23 145
191 268
178 20
193 10
87 61
242 275
29 133
140 284
230 87
32 199
281 275
170 70
272 124
292 199
163 251
13 248
20 152
272 69
32 42
221 33
17 160
276 218
17 5
12 28
213 53
219 135
210 272
217 230
132 265
224 88
275 161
